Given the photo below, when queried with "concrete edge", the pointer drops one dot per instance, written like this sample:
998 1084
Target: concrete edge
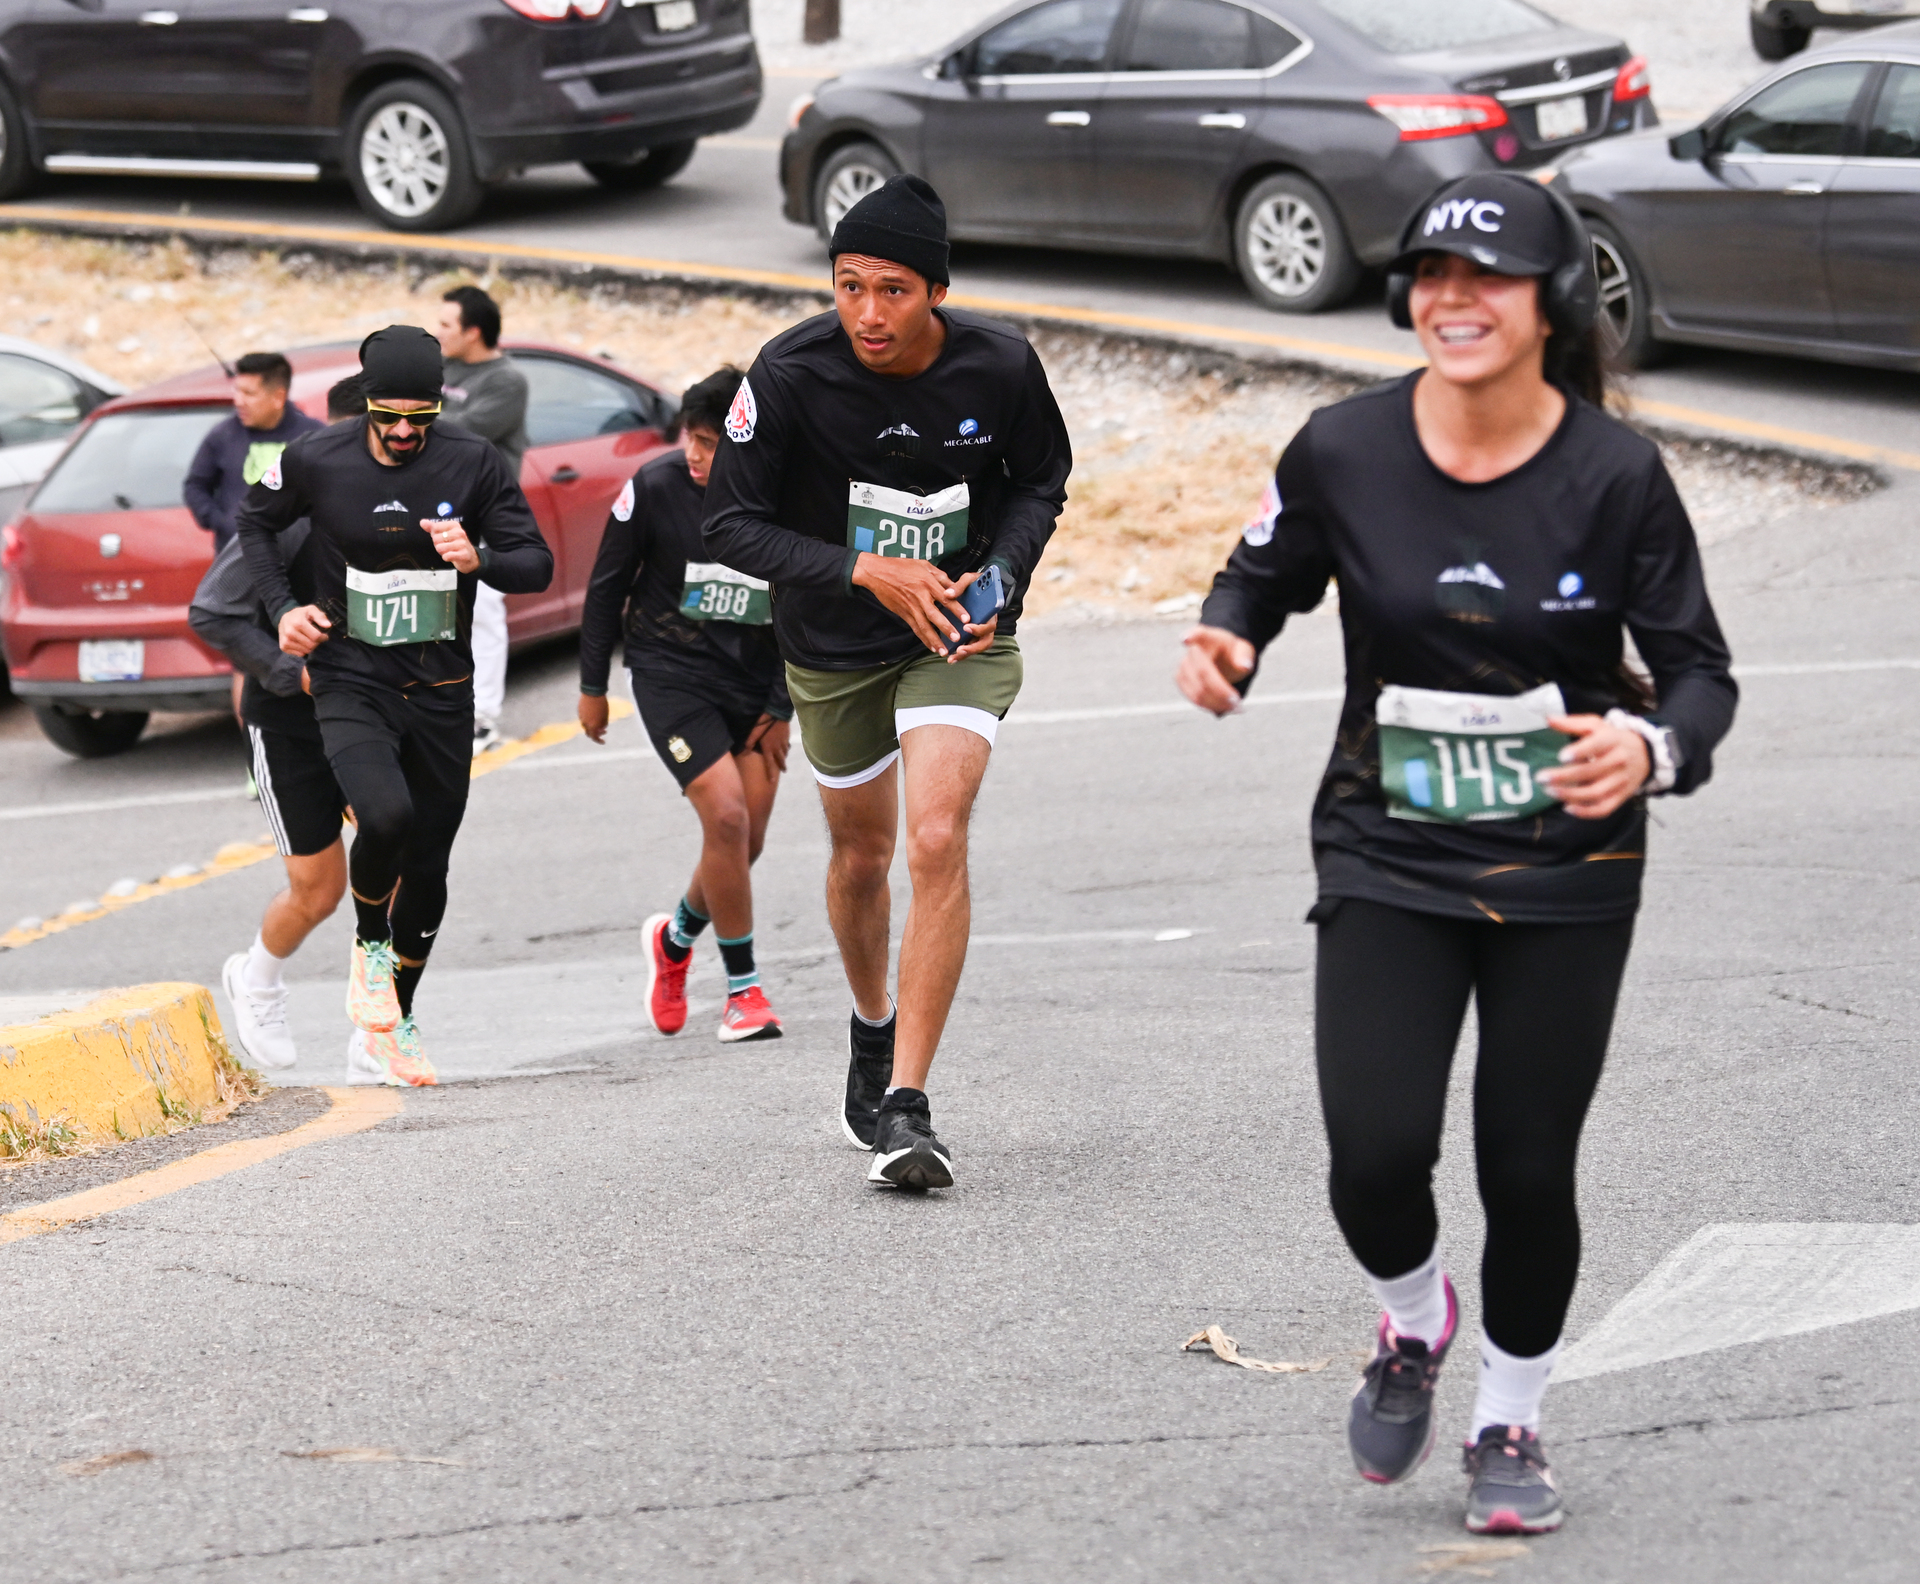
126 1064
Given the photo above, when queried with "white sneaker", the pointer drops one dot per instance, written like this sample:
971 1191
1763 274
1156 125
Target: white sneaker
367 1059
259 1016
486 734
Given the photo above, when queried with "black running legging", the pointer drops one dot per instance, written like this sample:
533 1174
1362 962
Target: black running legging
407 810
1390 994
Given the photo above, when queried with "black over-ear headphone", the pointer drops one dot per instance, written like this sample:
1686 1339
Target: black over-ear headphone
1570 295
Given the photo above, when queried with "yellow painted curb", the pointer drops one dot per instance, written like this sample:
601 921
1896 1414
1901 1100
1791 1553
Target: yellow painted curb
120 1066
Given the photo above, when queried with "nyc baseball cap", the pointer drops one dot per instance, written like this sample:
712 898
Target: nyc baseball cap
1504 223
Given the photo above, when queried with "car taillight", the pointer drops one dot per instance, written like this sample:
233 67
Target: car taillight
555 10
1635 80
1423 116
12 546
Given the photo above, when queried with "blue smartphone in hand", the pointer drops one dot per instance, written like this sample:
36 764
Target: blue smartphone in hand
982 599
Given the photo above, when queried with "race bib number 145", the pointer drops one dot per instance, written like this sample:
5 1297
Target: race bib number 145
1466 757
893 523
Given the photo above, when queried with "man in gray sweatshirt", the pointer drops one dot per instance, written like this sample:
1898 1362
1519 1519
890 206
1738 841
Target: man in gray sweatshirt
486 394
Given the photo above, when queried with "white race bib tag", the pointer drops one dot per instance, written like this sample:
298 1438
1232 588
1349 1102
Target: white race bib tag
402 606
713 592
892 522
1462 758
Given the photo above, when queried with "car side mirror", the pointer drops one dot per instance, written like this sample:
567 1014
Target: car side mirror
1689 145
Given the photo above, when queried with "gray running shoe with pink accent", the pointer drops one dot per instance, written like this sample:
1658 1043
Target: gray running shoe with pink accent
1510 1489
1390 1424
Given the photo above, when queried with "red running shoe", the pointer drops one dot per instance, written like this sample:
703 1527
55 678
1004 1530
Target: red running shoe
748 1017
666 979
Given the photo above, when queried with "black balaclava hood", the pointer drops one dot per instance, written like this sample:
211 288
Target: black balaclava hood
903 222
400 363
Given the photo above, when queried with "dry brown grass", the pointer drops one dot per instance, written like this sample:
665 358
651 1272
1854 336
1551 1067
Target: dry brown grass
1172 450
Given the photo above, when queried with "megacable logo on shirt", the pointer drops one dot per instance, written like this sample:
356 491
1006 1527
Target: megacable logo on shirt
744 416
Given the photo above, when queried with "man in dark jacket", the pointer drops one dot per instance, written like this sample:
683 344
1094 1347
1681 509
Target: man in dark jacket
238 450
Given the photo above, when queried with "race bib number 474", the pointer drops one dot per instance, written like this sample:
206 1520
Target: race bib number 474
390 608
893 523
1466 757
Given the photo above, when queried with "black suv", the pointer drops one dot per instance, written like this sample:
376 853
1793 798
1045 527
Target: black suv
419 105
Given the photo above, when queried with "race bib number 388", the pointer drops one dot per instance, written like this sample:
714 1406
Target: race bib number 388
714 592
893 523
1466 757
386 609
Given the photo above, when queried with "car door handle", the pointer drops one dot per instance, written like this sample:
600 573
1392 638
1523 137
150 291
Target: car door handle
159 18
1228 120
566 474
307 14
1069 118
1805 189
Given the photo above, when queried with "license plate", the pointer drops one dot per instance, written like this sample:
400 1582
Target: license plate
675 16
1560 118
113 660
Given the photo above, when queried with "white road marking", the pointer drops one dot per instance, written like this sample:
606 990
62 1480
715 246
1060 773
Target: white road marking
114 805
1735 1283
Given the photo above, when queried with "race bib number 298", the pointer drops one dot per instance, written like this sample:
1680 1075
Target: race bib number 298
917 527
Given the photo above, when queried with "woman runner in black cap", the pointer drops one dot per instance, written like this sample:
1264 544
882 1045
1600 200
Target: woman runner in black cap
1481 827
388 647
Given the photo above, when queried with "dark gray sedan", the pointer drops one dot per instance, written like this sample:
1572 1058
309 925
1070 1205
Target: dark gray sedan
1289 138
1787 221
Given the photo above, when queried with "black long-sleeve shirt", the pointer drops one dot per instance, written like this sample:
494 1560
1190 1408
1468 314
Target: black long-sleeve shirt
1492 588
812 420
639 578
367 516
227 614
229 459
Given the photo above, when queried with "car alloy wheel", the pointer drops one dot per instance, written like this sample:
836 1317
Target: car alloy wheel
1626 320
1619 303
1286 246
405 160
847 186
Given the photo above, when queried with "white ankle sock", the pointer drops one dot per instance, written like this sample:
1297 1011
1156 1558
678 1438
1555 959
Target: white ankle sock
1416 1303
870 1023
263 968
1510 1387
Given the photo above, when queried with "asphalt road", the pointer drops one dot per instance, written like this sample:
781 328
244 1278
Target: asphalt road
640 1316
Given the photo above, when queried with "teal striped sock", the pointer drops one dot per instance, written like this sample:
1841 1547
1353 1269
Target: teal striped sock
741 974
686 926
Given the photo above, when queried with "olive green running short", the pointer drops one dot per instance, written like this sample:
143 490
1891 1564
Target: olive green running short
850 721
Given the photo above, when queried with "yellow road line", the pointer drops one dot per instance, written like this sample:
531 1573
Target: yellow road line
352 1111
1748 428
244 855
1093 318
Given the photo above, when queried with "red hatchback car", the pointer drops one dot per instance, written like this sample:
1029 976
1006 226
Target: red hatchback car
103 560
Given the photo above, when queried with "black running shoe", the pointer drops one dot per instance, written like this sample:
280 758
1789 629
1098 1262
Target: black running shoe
1510 1489
905 1152
869 1071
1390 1425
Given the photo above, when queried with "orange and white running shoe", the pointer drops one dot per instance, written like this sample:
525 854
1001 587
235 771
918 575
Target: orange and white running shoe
666 979
371 1001
408 1062
370 1058
748 1017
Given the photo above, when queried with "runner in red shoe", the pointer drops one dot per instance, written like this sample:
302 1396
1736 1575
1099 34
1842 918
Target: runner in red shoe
712 695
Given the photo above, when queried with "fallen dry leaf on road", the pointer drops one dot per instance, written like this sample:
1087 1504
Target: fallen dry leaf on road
371 1455
105 1461
1471 1556
1228 1352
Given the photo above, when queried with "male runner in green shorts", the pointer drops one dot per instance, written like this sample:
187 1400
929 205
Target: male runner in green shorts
881 458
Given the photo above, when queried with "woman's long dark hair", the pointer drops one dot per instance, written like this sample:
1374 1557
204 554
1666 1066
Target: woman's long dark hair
1582 364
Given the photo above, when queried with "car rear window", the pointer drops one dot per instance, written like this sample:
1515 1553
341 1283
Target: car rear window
128 461
1409 27
1204 35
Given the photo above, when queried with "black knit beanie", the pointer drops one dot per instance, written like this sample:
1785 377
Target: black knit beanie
401 362
903 222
